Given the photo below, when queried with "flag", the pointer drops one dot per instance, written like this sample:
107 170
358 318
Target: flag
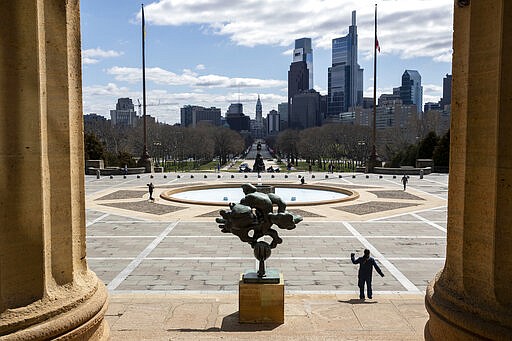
377 46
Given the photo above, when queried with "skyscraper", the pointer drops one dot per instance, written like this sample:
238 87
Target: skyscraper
303 52
447 91
345 76
300 75
411 91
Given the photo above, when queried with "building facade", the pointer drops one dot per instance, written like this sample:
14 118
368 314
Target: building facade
236 119
124 114
345 76
192 115
308 110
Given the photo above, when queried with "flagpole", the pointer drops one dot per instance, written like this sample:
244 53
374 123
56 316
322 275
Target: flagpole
373 157
145 154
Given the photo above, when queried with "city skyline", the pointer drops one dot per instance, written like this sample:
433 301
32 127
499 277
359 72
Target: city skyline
209 53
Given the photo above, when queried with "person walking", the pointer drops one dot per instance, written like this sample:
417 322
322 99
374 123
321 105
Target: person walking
405 179
150 189
366 265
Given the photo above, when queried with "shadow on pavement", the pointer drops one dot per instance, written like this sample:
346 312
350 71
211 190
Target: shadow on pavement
357 301
230 324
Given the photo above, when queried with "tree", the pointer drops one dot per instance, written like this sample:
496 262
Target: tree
427 146
441 153
287 143
93 148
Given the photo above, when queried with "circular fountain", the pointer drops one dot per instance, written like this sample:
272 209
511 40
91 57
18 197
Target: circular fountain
293 195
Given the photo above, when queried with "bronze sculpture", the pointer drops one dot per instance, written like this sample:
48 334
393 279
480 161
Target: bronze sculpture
255 213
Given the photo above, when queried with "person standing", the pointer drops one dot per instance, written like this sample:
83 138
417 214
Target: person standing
150 189
366 265
405 179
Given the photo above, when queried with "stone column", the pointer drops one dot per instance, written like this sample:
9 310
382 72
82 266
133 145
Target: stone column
46 288
471 298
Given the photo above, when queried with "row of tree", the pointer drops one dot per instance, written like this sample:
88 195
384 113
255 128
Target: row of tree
120 145
338 144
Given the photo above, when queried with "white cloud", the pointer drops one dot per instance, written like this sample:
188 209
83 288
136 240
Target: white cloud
88 61
98 52
406 28
190 78
200 67
165 105
93 56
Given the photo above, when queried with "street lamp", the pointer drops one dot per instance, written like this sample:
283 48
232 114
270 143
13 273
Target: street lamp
156 145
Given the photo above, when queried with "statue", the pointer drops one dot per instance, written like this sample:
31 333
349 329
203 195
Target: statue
255 213
259 165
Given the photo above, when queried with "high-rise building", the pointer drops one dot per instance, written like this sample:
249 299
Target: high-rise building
303 52
345 76
447 91
300 75
124 114
273 121
298 80
308 110
259 110
282 110
191 115
236 119
411 91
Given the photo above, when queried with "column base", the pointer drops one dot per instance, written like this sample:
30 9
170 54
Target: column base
454 318
70 314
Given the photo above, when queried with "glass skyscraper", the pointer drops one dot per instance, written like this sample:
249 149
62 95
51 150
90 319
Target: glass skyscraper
303 52
345 76
411 91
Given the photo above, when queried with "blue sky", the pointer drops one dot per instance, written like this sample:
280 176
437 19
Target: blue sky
215 52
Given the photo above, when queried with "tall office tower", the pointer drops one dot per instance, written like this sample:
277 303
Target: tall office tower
273 121
447 91
303 52
282 110
300 75
411 91
345 76
124 114
259 111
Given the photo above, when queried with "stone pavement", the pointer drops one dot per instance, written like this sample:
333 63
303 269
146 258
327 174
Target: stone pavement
146 252
307 317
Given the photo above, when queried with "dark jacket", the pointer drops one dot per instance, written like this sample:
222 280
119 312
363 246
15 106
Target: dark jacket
366 266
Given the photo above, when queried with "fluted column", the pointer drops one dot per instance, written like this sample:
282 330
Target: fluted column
471 298
46 288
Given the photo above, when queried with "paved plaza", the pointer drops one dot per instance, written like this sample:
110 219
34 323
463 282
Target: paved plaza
138 246
166 250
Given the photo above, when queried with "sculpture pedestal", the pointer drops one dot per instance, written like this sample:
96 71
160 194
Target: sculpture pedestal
261 302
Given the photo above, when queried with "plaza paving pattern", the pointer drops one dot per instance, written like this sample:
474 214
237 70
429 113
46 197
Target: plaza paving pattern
136 246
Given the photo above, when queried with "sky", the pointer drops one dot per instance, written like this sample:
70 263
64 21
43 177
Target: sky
217 52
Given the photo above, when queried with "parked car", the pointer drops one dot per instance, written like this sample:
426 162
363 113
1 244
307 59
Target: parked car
244 168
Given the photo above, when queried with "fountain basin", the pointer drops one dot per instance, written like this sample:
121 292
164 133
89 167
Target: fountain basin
293 195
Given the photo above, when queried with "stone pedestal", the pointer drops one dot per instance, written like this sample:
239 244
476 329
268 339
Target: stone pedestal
46 289
471 298
260 302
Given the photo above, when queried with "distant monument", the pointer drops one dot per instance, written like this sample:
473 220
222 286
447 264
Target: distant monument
259 165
